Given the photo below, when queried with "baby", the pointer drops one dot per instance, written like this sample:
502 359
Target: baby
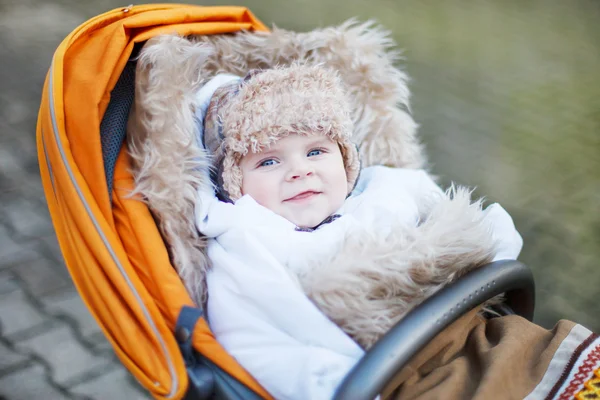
312 263
300 177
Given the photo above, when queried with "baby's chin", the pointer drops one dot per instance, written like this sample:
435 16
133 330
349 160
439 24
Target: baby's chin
309 215
308 221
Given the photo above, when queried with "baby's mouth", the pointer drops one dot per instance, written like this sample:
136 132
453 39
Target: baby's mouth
303 195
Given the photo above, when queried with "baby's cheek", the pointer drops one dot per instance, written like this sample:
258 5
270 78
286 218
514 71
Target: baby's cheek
341 187
261 188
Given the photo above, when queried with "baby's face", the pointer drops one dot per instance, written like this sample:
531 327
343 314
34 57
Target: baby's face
302 178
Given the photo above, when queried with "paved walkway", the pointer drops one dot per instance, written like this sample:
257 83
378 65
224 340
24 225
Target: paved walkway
50 346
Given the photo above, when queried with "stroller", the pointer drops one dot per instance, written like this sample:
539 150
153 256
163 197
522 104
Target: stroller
121 262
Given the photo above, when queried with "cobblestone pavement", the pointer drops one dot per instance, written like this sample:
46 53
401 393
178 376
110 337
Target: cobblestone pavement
480 124
50 346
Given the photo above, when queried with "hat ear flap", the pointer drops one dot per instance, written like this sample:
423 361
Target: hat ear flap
216 176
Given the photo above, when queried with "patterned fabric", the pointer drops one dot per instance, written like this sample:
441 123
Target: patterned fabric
592 388
581 375
573 370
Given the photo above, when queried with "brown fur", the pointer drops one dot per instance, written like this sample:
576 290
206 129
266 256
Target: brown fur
169 166
303 99
375 279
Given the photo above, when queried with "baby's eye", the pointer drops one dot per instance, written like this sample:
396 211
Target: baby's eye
314 152
267 163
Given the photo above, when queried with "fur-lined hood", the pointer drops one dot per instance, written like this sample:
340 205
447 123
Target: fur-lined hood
169 166
395 271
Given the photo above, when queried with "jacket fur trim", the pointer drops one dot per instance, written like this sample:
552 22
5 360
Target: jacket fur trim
376 278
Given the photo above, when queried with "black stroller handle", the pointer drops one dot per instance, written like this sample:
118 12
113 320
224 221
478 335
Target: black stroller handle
394 350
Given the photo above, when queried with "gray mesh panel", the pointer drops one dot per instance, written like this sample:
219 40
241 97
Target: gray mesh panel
114 122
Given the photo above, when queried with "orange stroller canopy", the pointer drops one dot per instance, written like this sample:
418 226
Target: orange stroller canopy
110 242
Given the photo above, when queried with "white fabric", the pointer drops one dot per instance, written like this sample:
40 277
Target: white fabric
203 97
258 311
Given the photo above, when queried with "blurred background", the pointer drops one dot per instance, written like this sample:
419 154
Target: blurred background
508 98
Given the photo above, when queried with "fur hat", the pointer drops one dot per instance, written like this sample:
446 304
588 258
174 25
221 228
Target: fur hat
249 114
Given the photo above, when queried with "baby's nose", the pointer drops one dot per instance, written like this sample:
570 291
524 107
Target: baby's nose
301 170
300 175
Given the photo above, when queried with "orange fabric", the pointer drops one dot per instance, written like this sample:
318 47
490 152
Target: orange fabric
117 258
148 256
